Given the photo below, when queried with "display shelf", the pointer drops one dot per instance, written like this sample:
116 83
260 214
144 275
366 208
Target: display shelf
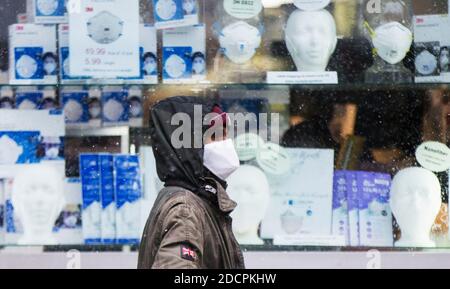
365 258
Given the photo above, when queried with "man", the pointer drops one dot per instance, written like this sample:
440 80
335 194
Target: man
190 225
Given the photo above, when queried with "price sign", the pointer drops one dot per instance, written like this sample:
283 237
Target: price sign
104 39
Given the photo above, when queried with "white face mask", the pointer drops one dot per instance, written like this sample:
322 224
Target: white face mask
188 6
135 109
73 110
113 110
10 151
221 158
166 9
95 111
198 67
50 68
150 66
26 66
47 7
52 153
392 41
105 28
426 63
240 41
175 66
27 105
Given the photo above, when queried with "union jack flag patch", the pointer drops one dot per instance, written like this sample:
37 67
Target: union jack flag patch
188 254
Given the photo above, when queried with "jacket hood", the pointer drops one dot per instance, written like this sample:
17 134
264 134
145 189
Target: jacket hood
180 166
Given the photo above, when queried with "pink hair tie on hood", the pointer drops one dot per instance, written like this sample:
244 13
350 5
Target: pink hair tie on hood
220 115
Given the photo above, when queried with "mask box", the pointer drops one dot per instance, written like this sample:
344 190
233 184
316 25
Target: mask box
28 98
175 13
64 60
108 214
115 106
127 180
33 59
91 192
353 208
135 105
432 48
75 106
375 216
37 214
47 11
340 206
184 55
69 224
30 137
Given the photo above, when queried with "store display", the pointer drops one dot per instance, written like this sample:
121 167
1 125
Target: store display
300 205
91 191
108 198
47 11
115 108
415 203
239 41
128 190
75 105
175 13
33 54
249 188
182 49
431 41
105 43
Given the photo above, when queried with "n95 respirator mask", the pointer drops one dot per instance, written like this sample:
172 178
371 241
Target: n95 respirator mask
426 63
105 28
175 66
73 111
10 151
166 9
240 41
26 66
113 110
392 42
47 7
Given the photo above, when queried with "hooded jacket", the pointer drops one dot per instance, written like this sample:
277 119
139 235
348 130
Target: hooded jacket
189 226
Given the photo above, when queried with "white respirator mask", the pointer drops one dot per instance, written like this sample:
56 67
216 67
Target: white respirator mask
73 110
47 7
10 151
221 158
240 41
113 110
105 28
426 63
166 9
392 42
50 68
189 6
27 105
26 66
175 66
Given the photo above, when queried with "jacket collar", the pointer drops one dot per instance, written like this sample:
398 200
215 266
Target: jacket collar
226 204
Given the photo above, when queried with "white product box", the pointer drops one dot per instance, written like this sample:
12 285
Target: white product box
105 43
175 13
353 208
108 199
184 54
299 204
47 11
33 54
340 206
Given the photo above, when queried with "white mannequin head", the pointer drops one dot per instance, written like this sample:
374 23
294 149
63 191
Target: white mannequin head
415 203
249 187
311 39
38 199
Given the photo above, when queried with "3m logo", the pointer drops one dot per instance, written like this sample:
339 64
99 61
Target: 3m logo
20 28
89 9
420 20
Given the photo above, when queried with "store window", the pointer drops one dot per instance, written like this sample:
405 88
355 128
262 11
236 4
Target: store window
356 94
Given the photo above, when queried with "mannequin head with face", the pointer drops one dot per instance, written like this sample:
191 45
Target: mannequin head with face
311 39
37 197
415 203
249 187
